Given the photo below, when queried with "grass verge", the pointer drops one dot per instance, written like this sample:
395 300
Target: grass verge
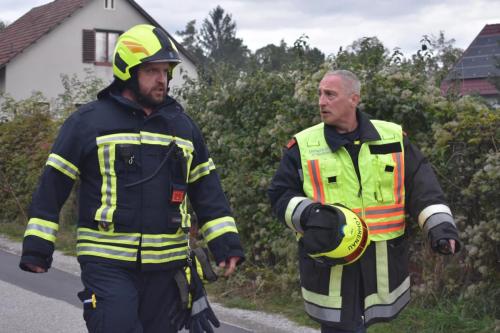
442 317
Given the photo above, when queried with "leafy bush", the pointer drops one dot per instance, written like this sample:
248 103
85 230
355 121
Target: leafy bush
24 144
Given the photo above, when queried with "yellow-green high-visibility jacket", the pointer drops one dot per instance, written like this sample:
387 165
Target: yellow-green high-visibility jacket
394 179
377 196
135 174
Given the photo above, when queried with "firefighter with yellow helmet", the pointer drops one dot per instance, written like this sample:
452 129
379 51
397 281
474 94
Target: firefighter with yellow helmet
354 269
138 158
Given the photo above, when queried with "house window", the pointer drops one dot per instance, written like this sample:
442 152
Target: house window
109 4
98 46
105 42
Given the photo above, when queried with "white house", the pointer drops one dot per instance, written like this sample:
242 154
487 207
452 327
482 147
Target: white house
70 37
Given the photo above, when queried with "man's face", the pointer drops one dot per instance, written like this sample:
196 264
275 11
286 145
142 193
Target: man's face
153 80
336 105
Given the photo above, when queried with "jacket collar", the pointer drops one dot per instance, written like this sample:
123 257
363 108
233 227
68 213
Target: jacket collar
366 130
112 91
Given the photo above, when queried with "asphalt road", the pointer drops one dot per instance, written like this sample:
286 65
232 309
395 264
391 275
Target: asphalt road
45 303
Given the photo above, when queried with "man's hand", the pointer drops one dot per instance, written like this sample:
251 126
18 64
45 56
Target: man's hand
452 245
446 246
231 267
34 268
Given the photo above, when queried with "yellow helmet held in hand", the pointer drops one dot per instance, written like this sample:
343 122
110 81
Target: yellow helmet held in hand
140 44
343 243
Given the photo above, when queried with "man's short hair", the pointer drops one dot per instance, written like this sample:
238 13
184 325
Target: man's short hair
350 80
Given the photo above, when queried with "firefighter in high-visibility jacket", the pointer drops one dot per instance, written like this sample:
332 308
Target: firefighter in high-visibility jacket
139 158
371 168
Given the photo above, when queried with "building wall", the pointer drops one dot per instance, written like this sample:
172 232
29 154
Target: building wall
40 66
2 80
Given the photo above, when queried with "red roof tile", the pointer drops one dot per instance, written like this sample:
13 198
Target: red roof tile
490 29
33 25
482 87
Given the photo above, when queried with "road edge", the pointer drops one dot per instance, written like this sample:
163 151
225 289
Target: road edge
254 321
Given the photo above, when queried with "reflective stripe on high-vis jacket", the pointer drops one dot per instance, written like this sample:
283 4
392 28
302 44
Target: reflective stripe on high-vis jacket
162 240
384 219
378 196
385 303
434 215
215 228
158 248
61 164
326 307
294 211
201 170
42 228
316 181
163 256
119 246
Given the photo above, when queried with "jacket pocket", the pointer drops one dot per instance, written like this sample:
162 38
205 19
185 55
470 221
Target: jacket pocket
93 313
384 186
314 277
397 256
127 159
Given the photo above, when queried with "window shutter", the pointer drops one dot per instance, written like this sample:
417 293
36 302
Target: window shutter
88 46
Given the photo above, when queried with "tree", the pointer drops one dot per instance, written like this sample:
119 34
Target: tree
365 56
305 56
218 39
3 25
276 58
190 41
438 56
272 57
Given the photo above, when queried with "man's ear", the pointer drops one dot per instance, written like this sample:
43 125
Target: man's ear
355 98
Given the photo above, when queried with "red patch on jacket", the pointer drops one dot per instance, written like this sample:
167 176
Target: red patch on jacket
177 196
291 143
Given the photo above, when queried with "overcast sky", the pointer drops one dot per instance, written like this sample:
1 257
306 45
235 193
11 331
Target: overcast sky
329 24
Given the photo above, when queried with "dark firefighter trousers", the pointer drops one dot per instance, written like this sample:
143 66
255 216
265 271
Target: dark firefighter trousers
127 300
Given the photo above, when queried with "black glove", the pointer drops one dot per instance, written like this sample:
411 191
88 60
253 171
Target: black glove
202 314
440 236
180 313
193 311
322 229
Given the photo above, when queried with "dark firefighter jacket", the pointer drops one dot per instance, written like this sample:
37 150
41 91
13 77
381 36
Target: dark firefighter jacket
424 201
136 173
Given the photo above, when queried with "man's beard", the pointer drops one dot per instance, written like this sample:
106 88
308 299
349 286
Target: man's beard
148 101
